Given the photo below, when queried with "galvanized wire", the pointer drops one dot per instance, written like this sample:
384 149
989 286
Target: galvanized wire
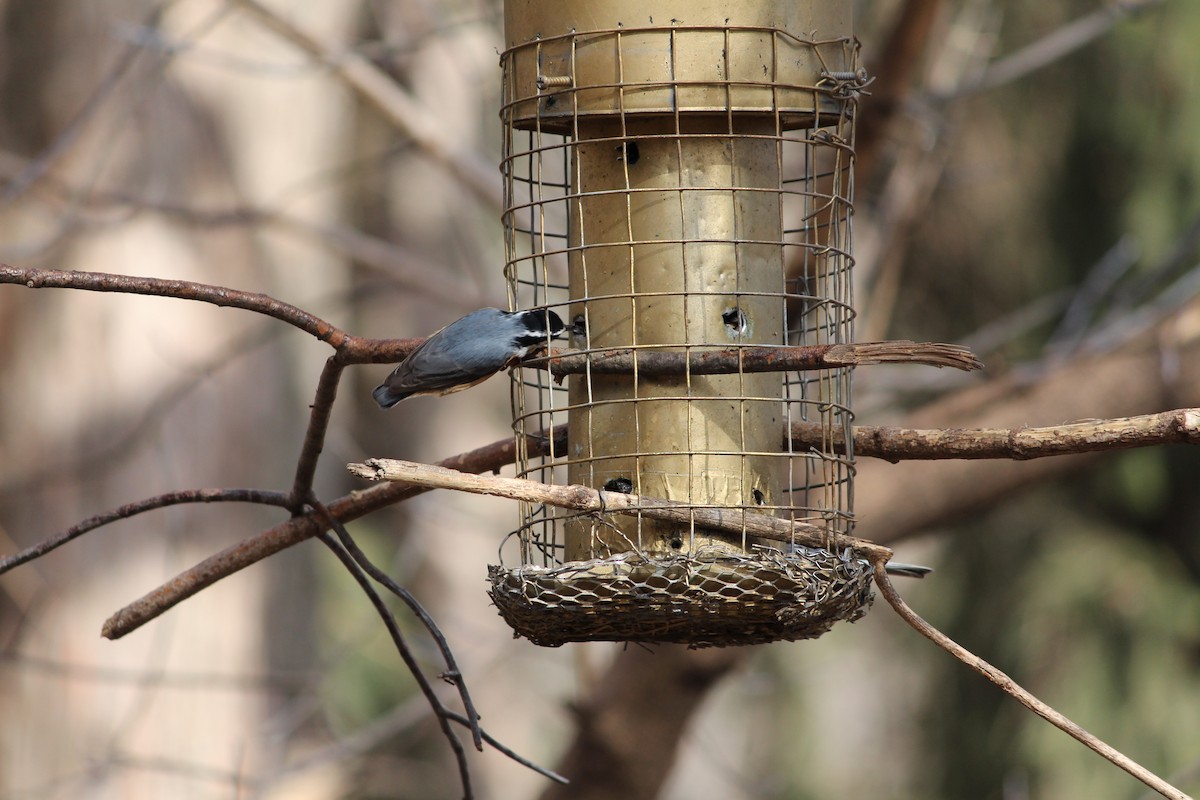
565 229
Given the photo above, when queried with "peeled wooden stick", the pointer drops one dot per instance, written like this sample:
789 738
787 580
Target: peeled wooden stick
583 498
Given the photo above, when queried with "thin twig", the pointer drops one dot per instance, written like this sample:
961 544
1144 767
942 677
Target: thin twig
183 290
1181 426
40 549
314 435
397 106
1022 696
250 551
453 674
1057 44
39 167
585 498
487 737
410 661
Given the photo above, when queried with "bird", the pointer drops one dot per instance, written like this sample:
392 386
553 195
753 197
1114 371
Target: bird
469 351
897 568
906 570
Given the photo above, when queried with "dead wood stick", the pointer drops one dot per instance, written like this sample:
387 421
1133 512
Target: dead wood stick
583 498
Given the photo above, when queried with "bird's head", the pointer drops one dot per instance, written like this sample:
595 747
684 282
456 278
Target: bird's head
538 325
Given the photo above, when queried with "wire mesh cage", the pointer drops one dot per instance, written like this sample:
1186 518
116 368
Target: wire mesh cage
683 189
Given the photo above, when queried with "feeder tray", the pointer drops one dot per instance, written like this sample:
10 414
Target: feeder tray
709 599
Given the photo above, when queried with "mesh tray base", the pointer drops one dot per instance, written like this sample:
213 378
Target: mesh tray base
701 601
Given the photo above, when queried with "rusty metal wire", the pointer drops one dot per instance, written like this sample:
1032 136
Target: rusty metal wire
688 207
707 600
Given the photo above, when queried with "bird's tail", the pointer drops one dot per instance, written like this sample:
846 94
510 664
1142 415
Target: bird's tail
386 397
907 570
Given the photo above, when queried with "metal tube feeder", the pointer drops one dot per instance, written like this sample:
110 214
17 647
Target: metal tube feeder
679 176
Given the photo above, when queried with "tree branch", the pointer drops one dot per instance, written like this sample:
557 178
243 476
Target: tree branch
183 290
453 674
410 661
1056 45
314 435
756 359
397 106
295 530
351 349
1022 696
40 549
893 444
584 498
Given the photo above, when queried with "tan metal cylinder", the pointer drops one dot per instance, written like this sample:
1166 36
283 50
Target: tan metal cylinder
676 109
575 60
668 255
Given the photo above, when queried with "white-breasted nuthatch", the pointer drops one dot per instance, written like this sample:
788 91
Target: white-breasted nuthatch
468 351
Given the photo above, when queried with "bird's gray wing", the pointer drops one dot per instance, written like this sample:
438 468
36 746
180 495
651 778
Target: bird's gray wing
434 372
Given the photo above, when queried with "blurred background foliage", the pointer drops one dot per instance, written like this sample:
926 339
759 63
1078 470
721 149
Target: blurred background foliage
1061 223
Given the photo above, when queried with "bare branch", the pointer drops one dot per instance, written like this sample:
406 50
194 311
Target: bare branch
314 435
1057 44
453 674
397 106
36 169
184 290
756 359
1149 374
903 444
410 660
881 442
297 529
585 498
141 506
1022 696
487 737
351 349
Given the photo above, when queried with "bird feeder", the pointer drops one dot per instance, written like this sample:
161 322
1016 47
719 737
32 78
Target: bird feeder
678 178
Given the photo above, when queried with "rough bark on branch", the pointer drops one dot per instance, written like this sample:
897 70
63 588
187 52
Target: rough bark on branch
895 444
758 359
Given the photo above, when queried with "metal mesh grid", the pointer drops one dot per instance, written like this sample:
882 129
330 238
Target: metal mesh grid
681 214
703 601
